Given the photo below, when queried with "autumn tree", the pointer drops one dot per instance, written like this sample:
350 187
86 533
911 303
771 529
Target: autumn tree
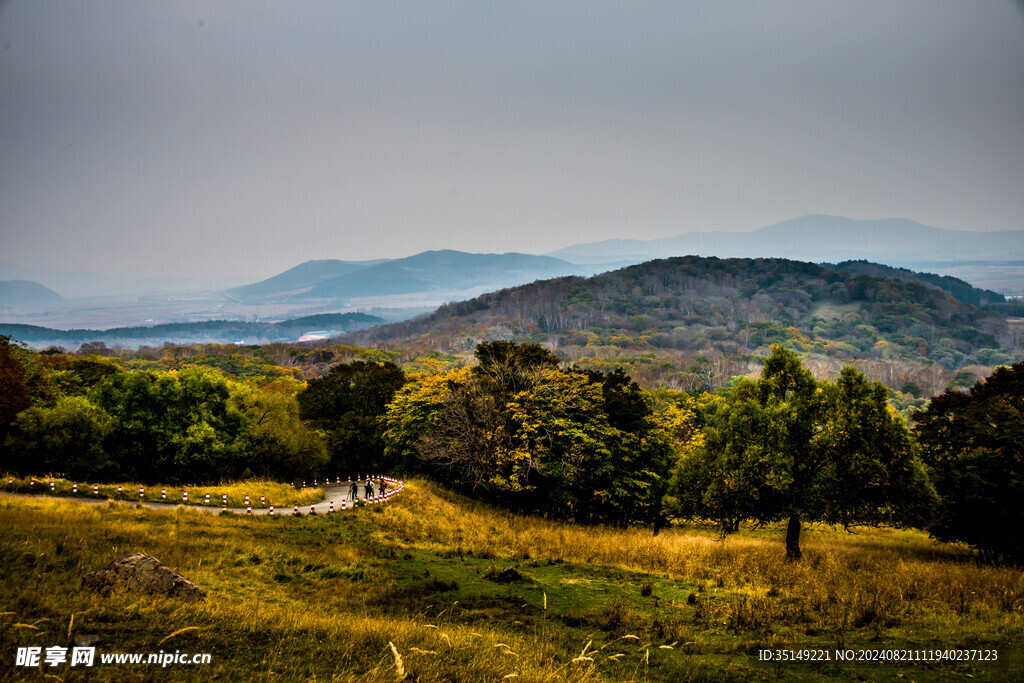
788 448
510 368
522 432
14 392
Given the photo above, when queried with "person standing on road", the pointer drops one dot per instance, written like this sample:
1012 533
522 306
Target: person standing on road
369 488
353 491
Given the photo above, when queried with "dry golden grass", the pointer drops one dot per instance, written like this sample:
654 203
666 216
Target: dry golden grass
325 598
275 493
873 576
277 607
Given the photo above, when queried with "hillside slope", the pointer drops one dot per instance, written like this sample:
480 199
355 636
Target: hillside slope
446 273
691 306
419 573
27 293
297 280
950 286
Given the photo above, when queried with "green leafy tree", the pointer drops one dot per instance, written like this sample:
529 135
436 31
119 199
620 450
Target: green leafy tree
74 375
278 443
789 448
66 439
974 443
172 427
642 440
348 405
552 440
636 479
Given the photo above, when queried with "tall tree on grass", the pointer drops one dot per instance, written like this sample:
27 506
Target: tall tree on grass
348 405
14 395
788 448
974 442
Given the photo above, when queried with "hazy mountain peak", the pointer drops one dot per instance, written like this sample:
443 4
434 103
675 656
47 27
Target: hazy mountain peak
440 271
26 293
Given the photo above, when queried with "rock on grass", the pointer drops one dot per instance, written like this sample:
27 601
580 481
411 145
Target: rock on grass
506 575
141 574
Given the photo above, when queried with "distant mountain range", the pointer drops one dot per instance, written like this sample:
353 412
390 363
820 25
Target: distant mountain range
993 260
453 275
442 272
817 238
990 261
298 281
26 293
428 270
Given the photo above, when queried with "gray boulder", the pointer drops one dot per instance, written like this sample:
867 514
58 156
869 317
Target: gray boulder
138 573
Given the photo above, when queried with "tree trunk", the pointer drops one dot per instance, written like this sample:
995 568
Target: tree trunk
793 538
660 522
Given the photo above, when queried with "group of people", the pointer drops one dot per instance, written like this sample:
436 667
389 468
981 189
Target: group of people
368 488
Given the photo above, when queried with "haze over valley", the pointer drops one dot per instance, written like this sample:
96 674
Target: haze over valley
395 289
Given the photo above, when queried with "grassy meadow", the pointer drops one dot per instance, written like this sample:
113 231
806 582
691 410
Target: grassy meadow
407 590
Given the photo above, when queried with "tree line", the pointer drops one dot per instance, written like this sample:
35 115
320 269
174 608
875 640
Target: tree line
520 430
87 417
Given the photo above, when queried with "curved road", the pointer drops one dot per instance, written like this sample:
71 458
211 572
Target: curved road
335 493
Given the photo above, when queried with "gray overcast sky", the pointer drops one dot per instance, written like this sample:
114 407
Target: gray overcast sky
241 137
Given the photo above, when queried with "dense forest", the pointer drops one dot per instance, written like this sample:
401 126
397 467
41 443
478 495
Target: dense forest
950 286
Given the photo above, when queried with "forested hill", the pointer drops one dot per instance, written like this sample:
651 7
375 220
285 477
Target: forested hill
951 286
212 331
696 306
